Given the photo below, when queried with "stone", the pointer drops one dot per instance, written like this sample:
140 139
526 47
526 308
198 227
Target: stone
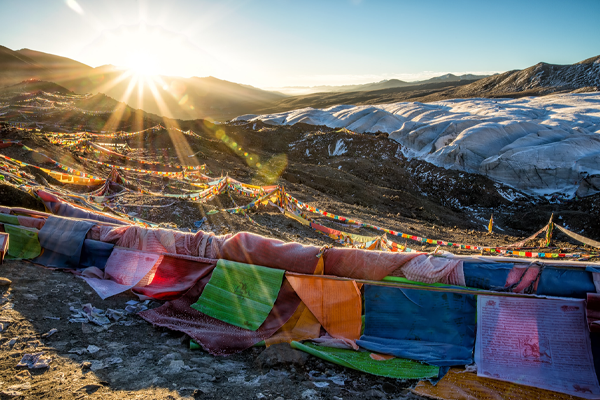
310 394
374 394
92 349
279 354
175 367
5 282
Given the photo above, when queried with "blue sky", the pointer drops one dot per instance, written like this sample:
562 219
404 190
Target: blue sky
279 42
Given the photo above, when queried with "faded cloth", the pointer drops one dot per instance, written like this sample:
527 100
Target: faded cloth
62 208
201 244
62 240
337 305
562 282
174 276
486 275
250 248
124 270
363 361
364 264
525 277
23 242
430 269
31 222
432 327
95 253
301 326
240 294
592 312
218 337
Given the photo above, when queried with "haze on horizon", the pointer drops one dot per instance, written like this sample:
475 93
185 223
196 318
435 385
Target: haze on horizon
279 43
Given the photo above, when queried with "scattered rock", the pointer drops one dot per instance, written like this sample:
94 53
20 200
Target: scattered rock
49 333
96 365
112 360
92 349
5 282
310 394
175 367
279 354
374 394
34 361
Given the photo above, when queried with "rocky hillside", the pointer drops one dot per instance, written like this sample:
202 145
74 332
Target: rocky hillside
541 78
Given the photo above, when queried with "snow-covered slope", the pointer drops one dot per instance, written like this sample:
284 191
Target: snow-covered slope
539 145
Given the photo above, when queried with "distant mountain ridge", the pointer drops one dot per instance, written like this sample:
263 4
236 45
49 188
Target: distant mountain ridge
389 84
174 97
538 80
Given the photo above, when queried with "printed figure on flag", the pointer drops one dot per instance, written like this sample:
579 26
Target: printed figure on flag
534 350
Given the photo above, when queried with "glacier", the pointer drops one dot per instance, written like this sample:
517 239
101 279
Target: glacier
541 145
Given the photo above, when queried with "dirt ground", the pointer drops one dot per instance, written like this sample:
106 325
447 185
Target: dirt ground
133 360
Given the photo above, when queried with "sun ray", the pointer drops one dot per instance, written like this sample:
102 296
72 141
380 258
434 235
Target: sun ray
114 120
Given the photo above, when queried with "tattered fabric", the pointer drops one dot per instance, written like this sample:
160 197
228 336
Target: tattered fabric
486 275
433 327
396 368
364 264
174 276
461 385
250 248
95 253
23 242
561 282
430 269
337 305
62 240
215 336
301 326
240 294
124 270
60 207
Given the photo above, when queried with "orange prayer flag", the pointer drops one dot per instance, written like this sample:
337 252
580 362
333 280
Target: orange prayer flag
302 325
461 385
336 304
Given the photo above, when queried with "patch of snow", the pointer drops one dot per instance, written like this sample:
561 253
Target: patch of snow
340 148
540 145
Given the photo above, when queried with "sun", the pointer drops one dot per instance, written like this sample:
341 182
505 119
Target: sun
142 63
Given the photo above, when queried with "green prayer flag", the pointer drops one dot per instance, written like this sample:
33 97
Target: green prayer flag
397 368
9 219
23 242
194 345
240 294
